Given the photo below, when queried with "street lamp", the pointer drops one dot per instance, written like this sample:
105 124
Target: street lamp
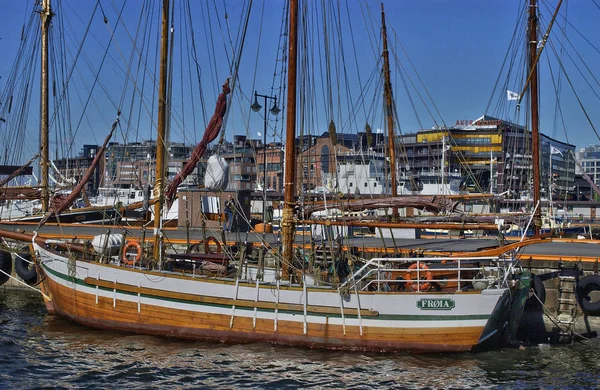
274 110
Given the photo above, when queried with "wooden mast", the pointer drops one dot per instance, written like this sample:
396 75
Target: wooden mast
535 136
161 131
46 17
287 218
389 110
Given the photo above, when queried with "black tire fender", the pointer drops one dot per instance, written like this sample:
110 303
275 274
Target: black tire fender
25 268
538 288
585 286
6 265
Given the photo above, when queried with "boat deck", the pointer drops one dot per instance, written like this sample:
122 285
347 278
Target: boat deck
558 249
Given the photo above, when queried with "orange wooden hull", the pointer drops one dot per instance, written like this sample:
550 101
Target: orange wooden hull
110 296
154 320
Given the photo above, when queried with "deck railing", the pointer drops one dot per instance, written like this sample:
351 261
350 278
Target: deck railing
433 273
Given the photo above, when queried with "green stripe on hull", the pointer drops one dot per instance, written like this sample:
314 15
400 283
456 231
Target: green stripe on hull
382 317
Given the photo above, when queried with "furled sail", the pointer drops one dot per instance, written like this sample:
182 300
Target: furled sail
211 132
217 174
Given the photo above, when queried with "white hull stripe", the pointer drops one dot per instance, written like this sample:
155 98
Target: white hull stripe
460 320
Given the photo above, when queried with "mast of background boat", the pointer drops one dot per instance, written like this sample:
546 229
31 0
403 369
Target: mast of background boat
491 171
161 132
442 189
389 110
533 92
287 217
45 17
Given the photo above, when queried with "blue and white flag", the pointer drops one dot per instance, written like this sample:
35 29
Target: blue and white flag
554 150
512 95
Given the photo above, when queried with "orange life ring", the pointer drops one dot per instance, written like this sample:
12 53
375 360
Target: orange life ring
132 244
210 240
427 275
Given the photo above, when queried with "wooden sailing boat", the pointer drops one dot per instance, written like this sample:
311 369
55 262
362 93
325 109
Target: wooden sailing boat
366 310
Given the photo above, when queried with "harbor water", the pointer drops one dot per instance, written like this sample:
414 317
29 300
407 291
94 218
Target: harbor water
42 351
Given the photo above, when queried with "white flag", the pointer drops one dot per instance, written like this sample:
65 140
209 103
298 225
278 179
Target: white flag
554 150
512 95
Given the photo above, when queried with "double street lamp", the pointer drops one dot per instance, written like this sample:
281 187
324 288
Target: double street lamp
274 110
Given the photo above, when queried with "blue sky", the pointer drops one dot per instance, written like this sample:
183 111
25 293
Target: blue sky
456 47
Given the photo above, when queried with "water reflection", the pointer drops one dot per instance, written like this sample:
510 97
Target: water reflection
40 350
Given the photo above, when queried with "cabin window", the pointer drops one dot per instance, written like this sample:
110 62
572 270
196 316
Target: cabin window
351 184
366 184
375 184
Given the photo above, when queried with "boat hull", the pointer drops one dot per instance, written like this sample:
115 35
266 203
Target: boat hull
125 299
87 216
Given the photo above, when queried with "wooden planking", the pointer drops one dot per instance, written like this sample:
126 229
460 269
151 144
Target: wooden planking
76 303
227 301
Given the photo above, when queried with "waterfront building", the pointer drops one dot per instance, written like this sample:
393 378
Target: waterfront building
360 173
72 169
132 165
241 157
318 162
489 155
274 178
589 157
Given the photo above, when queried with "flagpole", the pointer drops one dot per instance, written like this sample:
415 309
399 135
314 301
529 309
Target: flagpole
550 188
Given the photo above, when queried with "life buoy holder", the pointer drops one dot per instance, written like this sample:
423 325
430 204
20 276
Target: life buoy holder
212 240
585 286
138 255
425 275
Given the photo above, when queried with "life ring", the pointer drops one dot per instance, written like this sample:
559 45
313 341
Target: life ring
6 265
427 275
538 288
25 268
214 241
584 288
138 256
